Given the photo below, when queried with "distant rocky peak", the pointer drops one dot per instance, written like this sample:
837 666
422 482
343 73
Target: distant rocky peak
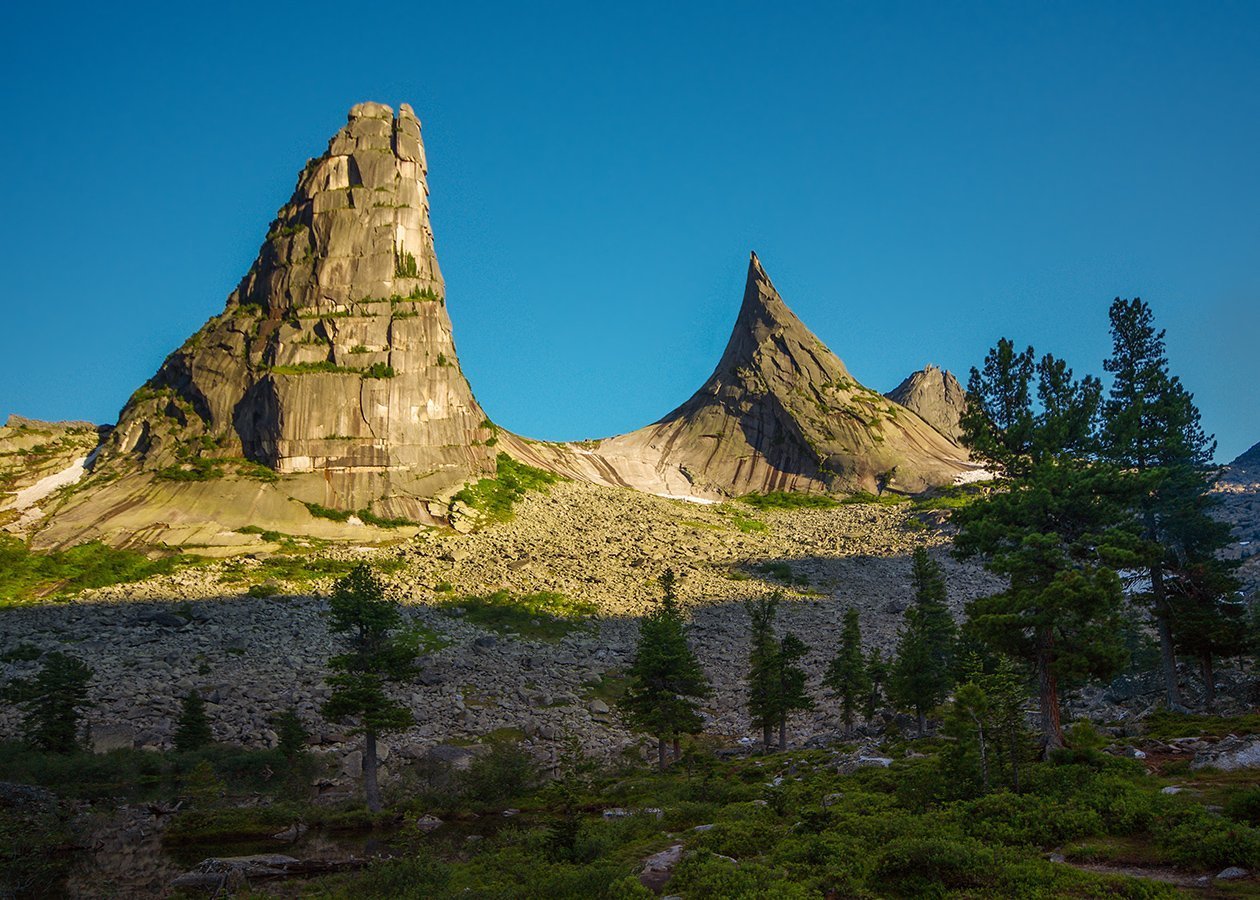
936 396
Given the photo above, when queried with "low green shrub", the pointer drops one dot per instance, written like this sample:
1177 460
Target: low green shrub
788 500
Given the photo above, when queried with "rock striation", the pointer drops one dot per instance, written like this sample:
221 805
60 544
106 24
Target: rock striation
332 366
936 396
780 412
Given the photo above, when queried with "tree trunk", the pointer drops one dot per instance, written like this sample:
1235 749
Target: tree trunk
1167 652
767 736
1048 693
984 752
1015 758
1209 682
922 721
370 787
782 734
677 750
660 752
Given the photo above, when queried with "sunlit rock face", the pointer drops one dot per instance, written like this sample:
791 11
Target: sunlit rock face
334 358
936 397
780 412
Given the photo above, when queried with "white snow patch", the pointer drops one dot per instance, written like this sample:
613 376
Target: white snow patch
29 496
973 476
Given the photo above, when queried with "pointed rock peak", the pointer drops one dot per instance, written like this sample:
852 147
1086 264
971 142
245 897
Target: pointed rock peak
936 396
768 332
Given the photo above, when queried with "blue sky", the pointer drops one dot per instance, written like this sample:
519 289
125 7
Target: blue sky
918 179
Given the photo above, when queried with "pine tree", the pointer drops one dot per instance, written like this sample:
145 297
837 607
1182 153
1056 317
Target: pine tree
377 656
922 673
291 734
1152 432
1056 531
877 670
763 682
665 680
790 687
846 673
52 702
1207 618
192 730
985 720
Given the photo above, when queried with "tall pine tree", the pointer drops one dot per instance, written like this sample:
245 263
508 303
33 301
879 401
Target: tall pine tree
665 680
763 677
1153 434
792 696
1207 617
1056 530
192 730
53 701
376 656
846 673
922 673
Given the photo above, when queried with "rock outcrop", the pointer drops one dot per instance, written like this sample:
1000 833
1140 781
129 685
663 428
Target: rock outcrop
780 412
936 396
1238 503
332 367
39 460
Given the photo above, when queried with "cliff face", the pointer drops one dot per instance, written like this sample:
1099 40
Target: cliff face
332 366
334 356
936 396
780 412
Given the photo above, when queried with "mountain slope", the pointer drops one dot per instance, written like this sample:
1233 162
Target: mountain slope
780 412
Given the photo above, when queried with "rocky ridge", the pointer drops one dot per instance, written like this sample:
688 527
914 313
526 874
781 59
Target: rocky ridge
327 399
1238 491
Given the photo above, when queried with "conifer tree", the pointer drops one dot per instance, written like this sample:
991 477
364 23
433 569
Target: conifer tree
846 673
763 698
1056 530
985 719
877 671
1208 620
192 730
1153 434
290 733
790 689
922 673
376 657
52 702
665 680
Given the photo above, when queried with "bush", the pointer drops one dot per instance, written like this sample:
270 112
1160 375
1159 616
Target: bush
26 576
921 864
495 497
505 772
788 500
1191 836
1244 806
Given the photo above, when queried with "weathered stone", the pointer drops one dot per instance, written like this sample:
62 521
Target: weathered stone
1230 754
936 397
105 738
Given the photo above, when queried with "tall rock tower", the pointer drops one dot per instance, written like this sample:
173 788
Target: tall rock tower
333 364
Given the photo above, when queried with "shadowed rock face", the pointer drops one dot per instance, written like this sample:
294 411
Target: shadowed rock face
780 412
936 396
334 357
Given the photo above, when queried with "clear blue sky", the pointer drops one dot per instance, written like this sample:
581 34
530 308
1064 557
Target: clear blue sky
918 178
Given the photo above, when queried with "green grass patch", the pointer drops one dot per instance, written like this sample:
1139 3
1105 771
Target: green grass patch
866 498
323 366
544 615
26 576
366 516
1164 725
955 497
495 497
788 500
